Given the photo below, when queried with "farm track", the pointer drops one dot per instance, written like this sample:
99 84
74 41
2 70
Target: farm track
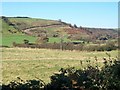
6 59
67 59
36 27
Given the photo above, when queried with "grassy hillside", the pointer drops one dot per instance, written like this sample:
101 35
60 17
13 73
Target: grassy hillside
8 37
12 29
22 23
16 29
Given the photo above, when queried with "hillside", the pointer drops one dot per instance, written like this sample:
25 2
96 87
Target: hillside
17 29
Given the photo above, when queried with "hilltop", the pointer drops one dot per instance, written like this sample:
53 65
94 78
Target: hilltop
16 29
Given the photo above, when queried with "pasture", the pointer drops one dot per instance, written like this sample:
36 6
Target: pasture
28 63
7 40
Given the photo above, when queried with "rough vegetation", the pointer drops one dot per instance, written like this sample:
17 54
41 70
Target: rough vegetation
80 46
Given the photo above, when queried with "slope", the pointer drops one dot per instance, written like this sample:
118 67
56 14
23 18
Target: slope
17 29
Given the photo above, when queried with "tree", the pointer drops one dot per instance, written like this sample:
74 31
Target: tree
26 41
75 26
70 26
60 20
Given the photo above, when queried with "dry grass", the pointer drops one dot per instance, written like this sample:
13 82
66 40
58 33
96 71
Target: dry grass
40 54
29 63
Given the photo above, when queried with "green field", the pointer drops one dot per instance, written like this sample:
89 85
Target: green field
30 63
7 40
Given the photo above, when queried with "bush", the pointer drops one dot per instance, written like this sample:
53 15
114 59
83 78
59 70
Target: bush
43 43
20 84
26 41
108 78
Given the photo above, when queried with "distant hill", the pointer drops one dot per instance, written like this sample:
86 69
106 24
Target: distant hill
16 29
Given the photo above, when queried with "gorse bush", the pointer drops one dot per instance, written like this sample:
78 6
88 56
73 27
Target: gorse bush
89 78
20 84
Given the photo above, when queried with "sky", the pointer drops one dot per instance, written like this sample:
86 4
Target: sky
86 14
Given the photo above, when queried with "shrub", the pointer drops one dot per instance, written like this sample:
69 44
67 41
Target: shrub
75 26
108 78
26 41
20 84
42 43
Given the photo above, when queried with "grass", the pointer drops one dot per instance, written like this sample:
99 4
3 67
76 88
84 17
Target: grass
18 37
32 21
7 40
30 63
6 27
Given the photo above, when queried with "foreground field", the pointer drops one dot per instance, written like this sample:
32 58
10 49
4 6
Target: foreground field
42 63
